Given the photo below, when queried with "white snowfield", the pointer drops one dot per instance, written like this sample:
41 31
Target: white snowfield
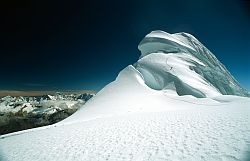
170 105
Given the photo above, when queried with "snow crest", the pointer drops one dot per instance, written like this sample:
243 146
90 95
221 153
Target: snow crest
180 60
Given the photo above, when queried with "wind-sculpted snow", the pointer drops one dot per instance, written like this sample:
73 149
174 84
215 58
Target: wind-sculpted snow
182 60
160 69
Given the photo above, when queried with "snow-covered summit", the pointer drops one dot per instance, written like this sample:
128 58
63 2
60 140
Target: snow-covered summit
151 111
180 60
170 65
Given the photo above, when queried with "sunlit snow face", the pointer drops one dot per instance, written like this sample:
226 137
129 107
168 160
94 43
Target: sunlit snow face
163 71
180 62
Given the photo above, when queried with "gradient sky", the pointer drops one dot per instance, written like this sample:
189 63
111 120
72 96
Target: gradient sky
83 45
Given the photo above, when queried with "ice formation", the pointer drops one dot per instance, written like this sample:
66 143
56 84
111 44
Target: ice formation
181 61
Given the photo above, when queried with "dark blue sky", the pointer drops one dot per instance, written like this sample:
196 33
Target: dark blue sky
84 44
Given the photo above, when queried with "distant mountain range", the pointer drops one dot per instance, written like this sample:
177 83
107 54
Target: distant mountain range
39 93
23 112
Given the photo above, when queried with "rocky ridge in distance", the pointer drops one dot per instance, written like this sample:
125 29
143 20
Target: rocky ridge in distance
25 112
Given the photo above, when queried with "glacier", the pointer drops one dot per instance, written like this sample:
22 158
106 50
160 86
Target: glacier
177 102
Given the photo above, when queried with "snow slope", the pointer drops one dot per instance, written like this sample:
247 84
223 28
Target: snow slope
213 133
160 108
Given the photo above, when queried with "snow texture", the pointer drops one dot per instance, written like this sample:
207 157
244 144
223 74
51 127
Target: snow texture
156 109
